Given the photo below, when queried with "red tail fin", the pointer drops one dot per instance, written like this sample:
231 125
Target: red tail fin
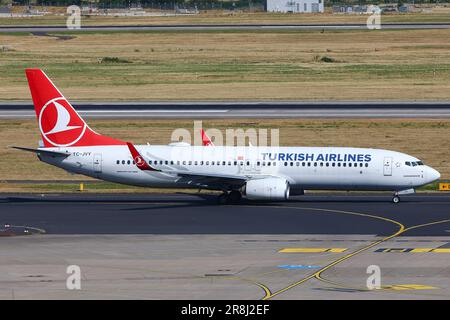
59 123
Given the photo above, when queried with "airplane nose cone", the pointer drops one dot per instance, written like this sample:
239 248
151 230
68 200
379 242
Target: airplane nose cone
433 174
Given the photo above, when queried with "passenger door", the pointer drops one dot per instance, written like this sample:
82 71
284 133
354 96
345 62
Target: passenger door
387 166
98 163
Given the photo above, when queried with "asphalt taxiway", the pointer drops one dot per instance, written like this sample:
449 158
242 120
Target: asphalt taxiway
243 109
184 246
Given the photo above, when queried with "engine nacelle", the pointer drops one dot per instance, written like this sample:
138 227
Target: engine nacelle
267 189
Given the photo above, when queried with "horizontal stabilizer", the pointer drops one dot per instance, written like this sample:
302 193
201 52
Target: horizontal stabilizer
43 151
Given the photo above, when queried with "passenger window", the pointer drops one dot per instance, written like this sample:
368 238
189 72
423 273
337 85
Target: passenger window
268 163
327 164
315 164
321 164
333 164
118 162
190 163
248 163
360 164
195 163
184 163
349 164
309 164
123 161
212 163
171 162
207 163
285 164
366 165
292 164
235 163
344 164
128 162
303 164
339 164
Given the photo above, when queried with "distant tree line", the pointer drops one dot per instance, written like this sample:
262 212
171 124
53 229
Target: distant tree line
200 4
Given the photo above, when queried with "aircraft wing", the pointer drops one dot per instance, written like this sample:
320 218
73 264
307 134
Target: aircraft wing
138 159
43 151
196 179
208 180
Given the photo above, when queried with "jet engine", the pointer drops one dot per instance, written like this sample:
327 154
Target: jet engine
267 189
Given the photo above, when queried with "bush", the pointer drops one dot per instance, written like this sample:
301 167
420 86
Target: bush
112 60
327 59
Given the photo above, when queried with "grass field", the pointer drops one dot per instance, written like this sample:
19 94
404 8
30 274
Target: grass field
438 15
234 65
425 139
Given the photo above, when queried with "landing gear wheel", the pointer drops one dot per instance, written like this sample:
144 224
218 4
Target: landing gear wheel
223 198
235 197
396 199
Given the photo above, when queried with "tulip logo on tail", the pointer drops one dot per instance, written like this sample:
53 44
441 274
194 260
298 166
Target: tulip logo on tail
60 125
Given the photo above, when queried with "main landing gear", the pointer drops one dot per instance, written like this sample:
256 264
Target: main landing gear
232 197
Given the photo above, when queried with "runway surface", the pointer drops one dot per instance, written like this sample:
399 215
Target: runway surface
207 27
178 246
235 110
199 214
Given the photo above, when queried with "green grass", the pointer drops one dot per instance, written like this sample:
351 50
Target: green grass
431 187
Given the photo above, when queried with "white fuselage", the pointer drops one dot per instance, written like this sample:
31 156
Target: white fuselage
329 168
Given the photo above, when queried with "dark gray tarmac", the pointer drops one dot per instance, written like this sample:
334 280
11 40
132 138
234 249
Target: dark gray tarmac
250 109
199 214
184 246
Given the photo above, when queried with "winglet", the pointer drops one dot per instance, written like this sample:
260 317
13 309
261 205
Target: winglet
206 141
138 159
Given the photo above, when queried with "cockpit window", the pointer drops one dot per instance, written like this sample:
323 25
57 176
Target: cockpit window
414 163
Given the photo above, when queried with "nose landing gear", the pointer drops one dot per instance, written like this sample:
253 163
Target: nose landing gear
395 199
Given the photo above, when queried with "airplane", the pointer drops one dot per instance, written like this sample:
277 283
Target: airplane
258 173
